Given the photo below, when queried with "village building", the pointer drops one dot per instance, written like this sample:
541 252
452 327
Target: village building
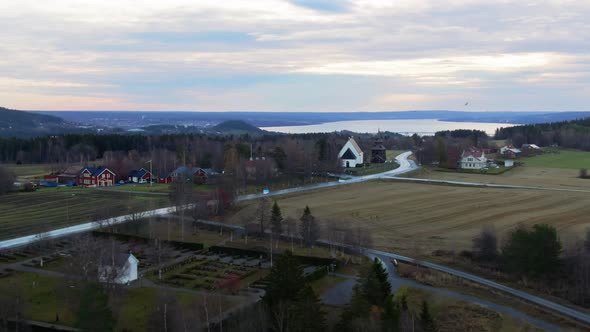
351 154
378 152
96 177
193 174
508 163
165 178
119 268
140 176
531 149
509 151
69 176
473 158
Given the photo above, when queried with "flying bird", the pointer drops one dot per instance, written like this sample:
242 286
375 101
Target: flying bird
467 103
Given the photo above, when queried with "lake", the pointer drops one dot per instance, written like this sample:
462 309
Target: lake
406 127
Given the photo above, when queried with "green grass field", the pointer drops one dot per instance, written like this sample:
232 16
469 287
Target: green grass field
391 154
558 158
47 297
30 171
50 208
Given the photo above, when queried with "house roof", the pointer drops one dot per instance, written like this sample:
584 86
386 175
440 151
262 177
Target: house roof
472 152
138 173
95 171
534 146
72 171
119 259
355 145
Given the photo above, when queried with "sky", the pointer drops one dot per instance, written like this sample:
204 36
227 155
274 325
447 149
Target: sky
295 55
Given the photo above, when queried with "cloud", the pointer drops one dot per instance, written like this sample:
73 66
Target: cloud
294 55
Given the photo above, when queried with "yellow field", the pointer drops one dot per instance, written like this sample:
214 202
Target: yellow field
525 176
419 218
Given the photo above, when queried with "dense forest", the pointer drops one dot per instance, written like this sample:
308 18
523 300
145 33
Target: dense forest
567 134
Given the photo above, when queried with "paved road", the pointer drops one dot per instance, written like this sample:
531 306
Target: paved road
402 159
405 165
397 282
583 317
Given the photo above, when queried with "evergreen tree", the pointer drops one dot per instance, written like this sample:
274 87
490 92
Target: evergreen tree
375 284
391 314
306 312
285 280
276 219
532 252
426 318
93 312
358 309
310 230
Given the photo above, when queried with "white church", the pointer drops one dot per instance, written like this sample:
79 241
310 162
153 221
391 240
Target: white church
351 154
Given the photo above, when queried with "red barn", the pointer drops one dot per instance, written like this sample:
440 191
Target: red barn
96 176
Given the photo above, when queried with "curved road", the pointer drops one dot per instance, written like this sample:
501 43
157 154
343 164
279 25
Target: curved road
405 165
583 317
397 282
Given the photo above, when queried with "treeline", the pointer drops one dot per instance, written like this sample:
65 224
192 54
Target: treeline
568 134
538 256
445 147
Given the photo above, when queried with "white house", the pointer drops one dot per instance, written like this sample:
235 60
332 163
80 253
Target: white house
351 154
473 158
508 163
119 269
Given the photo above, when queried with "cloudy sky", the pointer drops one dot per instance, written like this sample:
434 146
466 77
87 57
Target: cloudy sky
297 55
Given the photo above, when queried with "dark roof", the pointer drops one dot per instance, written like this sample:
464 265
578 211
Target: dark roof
348 154
138 173
120 259
472 152
378 147
95 171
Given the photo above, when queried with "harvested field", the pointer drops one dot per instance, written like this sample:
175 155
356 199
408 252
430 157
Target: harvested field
524 176
51 208
419 218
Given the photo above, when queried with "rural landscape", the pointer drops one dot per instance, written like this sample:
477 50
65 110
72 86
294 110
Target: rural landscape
294 166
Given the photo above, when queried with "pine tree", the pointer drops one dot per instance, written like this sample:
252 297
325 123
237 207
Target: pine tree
310 230
285 280
276 219
375 284
426 318
306 312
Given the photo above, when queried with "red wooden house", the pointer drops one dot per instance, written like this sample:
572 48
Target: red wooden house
165 178
96 176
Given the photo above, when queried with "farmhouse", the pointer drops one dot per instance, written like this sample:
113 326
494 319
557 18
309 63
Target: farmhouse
531 149
194 174
120 268
378 152
351 154
473 158
96 176
140 176
69 175
509 151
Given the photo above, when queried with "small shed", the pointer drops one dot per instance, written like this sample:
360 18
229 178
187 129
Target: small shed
118 268
508 163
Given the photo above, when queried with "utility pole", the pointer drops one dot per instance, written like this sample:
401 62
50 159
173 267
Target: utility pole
151 174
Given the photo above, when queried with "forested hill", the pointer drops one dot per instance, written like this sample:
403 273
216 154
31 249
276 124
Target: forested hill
568 134
26 124
237 127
